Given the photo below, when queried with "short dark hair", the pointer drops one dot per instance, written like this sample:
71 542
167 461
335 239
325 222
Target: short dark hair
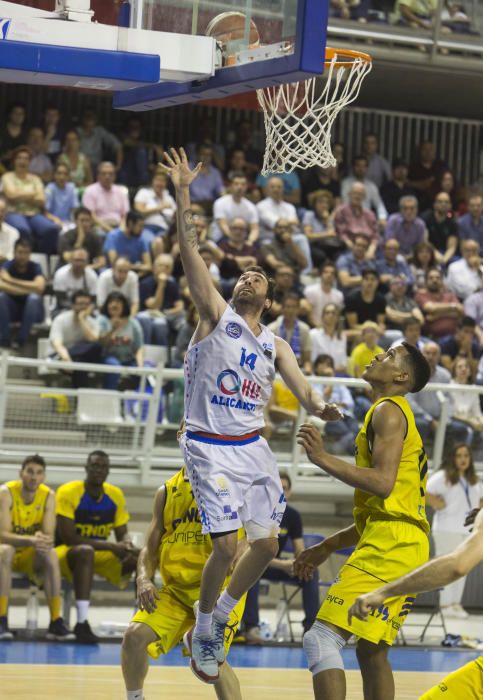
284 475
434 268
21 149
22 243
467 322
81 210
418 366
96 453
369 272
326 264
324 359
237 174
358 158
270 280
413 321
399 163
116 296
78 294
33 459
134 217
291 295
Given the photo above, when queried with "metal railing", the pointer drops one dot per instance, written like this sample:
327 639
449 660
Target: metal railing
65 424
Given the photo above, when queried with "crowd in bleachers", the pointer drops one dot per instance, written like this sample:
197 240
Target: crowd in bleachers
363 253
414 14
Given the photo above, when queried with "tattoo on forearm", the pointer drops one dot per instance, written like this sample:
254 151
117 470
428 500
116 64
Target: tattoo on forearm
188 229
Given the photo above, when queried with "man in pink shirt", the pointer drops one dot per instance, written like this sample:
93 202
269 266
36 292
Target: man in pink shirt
441 308
351 220
107 202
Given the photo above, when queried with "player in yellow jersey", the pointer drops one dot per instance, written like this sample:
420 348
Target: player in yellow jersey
27 528
466 683
390 529
87 512
175 543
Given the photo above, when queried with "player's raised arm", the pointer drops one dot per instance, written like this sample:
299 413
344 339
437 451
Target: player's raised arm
310 399
208 301
389 427
148 558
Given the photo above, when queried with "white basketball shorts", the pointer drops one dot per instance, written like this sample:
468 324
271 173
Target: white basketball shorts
234 481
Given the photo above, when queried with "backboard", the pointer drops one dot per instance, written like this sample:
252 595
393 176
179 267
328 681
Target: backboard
160 53
260 43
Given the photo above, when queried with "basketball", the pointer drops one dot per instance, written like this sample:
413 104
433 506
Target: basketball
230 26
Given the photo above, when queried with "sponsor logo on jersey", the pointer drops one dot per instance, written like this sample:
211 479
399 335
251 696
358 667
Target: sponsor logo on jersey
268 350
228 514
228 382
223 490
234 330
335 599
192 515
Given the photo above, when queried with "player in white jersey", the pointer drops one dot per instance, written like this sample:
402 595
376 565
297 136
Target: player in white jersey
229 370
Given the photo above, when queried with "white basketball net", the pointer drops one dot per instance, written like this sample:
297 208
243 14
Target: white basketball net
298 116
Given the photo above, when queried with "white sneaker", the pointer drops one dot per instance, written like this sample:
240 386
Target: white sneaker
203 659
455 611
218 637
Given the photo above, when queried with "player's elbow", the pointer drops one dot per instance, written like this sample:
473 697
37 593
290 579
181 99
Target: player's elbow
383 488
459 567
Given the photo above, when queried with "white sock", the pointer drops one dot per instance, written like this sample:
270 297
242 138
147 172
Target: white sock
134 694
203 624
82 607
224 606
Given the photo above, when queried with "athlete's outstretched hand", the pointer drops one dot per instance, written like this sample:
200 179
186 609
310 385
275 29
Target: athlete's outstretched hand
365 604
147 595
311 440
178 168
330 412
308 560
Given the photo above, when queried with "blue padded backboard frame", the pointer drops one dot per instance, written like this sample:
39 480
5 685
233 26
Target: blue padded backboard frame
307 60
120 67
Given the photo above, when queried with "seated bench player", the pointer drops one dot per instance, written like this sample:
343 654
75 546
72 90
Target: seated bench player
27 528
87 512
175 544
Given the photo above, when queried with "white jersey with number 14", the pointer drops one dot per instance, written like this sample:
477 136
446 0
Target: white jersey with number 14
228 378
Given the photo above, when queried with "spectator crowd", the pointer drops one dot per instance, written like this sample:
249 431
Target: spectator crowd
363 254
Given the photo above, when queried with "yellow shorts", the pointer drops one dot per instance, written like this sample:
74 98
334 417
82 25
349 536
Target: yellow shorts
106 564
386 551
465 683
172 618
23 563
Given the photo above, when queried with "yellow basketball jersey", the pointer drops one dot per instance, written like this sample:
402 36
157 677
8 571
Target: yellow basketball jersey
27 517
408 498
184 549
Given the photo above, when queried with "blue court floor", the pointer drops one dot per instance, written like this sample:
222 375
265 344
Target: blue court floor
402 659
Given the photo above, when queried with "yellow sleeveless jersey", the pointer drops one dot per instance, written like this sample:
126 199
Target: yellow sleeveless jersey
184 549
408 498
27 517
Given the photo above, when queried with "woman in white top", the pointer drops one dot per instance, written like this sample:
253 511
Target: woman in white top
452 492
329 339
466 404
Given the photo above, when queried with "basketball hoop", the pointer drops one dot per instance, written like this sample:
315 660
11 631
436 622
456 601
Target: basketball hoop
299 117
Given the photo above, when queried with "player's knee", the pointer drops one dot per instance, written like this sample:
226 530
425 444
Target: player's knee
81 558
267 546
370 655
322 647
135 637
7 553
83 553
